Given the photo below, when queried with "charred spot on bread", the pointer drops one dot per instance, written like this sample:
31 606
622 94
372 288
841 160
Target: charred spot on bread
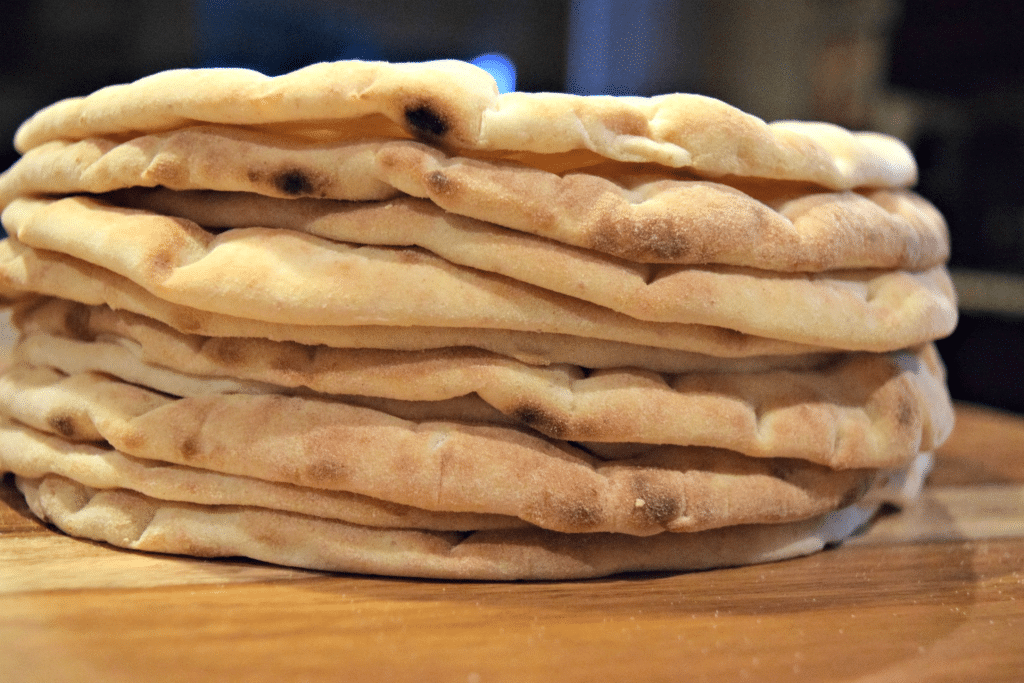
63 424
541 419
426 122
293 182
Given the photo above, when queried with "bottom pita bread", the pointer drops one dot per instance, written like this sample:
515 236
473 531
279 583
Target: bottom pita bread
132 520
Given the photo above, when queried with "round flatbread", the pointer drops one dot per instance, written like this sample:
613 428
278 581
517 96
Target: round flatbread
456 104
132 520
633 213
684 222
31 453
285 277
447 466
861 410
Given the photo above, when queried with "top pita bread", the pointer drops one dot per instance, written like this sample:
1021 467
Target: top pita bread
457 105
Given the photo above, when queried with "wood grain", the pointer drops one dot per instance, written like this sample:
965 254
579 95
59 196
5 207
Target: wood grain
933 593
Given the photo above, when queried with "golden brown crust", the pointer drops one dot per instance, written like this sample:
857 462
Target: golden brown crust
131 520
833 410
651 220
457 105
643 217
289 278
31 453
444 466
558 336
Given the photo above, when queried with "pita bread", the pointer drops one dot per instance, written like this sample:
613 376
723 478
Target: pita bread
636 215
30 453
865 410
442 466
89 323
455 104
132 520
380 318
698 223
23 271
291 278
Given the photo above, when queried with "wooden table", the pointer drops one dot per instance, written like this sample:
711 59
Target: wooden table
935 593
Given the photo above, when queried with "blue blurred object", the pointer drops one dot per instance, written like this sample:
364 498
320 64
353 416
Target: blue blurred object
499 66
633 47
278 37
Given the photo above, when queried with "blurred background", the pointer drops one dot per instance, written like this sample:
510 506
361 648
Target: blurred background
946 76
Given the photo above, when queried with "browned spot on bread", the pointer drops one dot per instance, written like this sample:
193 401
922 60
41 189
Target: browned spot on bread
132 441
541 419
655 504
397 157
293 357
425 121
76 323
581 516
178 241
187 320
324 471
227 350
189 448
575 511
167 170
650 240
572 507
440 184
63 424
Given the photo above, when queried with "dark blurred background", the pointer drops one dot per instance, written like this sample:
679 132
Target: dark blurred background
946 76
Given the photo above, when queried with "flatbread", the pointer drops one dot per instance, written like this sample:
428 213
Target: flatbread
450 377
685 222
292 278
635 214
443 466
30 453
455 104
132 520
864 410
89 323
25 271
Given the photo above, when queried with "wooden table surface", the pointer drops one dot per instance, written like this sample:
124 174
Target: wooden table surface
934 593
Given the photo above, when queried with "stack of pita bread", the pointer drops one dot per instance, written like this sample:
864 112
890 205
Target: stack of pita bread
378 318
